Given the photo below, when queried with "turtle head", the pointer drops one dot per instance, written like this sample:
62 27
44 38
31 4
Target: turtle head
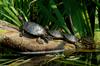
22 23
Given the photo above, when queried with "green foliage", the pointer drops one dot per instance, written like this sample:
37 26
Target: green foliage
70 16
74 9
11 9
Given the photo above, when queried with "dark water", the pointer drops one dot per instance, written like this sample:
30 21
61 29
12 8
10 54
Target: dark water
79 59
8 56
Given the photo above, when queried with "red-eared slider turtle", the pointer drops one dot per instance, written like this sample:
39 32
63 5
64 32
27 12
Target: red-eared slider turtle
34 29
70 38
55 34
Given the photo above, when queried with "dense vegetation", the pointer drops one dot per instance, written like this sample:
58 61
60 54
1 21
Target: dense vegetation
76 17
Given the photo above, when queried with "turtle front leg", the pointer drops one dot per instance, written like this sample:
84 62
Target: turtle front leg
47 38
40 40
44 39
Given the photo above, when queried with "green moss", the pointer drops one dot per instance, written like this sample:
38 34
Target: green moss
2 31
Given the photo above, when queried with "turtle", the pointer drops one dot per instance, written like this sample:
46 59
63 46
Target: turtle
34 29
70 38
55 34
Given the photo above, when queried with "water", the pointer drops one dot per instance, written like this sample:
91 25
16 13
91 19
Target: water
78 59
83 58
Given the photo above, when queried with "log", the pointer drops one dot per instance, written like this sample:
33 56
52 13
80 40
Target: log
9 36
12 39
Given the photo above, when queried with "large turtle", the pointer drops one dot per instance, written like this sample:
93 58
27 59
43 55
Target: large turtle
34 29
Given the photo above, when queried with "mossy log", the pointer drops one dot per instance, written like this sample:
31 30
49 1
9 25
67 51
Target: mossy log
27 43
9 36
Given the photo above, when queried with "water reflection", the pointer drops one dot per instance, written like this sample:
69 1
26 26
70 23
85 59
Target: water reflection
91 58
80 58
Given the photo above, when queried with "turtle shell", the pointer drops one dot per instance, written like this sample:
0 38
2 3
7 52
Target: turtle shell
70 38
56 34
34 28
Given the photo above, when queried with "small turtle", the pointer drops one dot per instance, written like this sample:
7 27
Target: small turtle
70 38
55 34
